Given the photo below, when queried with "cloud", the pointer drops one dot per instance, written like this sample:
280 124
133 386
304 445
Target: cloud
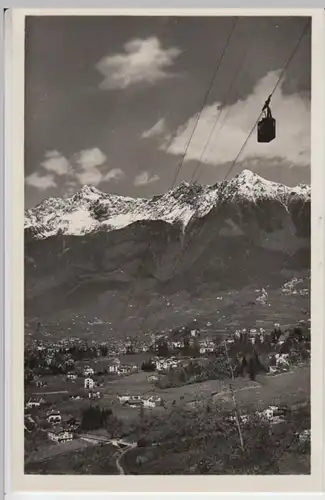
55 162
89 158
41 182
84 167
91 176
142 61
292 143
115 174
144 179
157 130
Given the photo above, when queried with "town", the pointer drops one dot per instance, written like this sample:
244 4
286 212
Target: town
74 387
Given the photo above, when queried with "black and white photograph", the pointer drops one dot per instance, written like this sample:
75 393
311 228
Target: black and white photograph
167 245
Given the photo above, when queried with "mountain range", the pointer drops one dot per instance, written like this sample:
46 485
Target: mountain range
94 252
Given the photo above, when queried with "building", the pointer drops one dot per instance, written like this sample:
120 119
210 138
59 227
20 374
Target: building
35 402
123 399
54 417
88 371
72 376
114 366
152 402
40 383
94 395
89 383
134 401
60 435
123 370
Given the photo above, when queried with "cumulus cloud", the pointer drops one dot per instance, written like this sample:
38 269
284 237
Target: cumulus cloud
115 174
292 143
84 167
157 130
145 178
142 61
90 158
55 162
91 176
41 182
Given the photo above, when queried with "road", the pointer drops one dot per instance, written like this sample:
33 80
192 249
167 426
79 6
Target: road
44 393
57 450
118 464
114 442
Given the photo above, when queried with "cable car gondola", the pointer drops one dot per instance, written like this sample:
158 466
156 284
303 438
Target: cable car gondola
266 126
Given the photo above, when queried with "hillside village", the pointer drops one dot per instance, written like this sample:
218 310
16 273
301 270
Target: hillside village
66 379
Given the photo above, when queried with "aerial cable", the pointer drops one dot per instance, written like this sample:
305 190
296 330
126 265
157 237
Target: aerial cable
253 128
269 98
249 135
243 59
201 109
197 120
198 115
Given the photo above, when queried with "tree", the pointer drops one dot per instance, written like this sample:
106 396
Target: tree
94 418
162 348
114 426
148 366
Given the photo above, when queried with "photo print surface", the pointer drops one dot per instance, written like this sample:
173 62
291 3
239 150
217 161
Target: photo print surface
167 239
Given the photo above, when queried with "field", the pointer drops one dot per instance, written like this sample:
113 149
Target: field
272 389
82 460
225 310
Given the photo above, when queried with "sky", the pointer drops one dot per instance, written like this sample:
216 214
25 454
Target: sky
114 102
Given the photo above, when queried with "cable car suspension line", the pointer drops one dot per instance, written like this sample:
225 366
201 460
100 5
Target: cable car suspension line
198 116
243 59
219 62
195 233
266 105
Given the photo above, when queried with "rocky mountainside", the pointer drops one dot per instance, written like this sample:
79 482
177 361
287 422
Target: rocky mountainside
91 210
95 250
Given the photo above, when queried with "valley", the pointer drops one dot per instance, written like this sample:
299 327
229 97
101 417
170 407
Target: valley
130 305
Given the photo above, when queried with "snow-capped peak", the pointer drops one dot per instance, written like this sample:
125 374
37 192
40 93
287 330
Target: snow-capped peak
252 186
88 192
89 209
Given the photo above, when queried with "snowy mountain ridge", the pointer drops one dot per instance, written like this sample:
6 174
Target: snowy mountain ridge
90 210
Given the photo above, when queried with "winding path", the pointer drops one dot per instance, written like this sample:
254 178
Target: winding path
114 442
119 466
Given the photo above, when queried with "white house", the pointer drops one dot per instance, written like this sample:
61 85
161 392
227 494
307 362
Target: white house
54 417
34 402
122 370
60 435
88 371
113 367
89 383
152 402
123 399
40 383
178 344
72 376
282 360
94 395
135 401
